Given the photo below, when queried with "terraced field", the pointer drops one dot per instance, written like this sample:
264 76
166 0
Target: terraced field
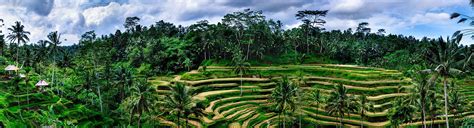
219 89
15 108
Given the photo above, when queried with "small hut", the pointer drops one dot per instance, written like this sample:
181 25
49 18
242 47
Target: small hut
41 84
11 68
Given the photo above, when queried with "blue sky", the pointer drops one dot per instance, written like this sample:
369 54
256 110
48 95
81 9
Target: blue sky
74 17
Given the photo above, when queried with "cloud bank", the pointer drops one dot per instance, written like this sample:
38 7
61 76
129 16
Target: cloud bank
73 18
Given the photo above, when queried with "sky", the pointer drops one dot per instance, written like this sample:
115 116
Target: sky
72 18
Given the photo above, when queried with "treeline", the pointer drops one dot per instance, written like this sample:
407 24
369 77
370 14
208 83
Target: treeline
103 71
167 48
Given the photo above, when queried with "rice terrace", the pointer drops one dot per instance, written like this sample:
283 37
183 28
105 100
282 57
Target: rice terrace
237 64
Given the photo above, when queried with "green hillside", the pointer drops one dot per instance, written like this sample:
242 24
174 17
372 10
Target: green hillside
218 88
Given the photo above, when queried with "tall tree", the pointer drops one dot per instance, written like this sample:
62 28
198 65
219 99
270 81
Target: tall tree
54 40
300 81
444 54
284 96
457 103
180 100
2 40
312 22
364 106
241 67
122 79
18 34
241 23
401 112
140 101
341 103
421 92
317 98
131 23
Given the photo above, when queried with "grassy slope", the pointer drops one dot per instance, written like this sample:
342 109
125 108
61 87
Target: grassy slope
219 88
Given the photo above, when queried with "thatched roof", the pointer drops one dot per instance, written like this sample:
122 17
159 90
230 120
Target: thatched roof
41 83
11 68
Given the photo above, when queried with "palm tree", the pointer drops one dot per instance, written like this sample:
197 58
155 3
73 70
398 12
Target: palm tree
140 100
122 77
311 20
340 103
18 34
241 67
421 92
197 110
445 55
300 81
456 102
284 96
433 106
317 98
401 112
364 106
54 41
179 101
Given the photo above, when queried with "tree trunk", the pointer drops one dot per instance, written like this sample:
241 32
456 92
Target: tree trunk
320 45
445 81
139 119
179 114
423 116
340 121
432 121
241 84
307 42
186 123
248 51
100 99
17 52
131 118
284 121
279 118
362 117
296 53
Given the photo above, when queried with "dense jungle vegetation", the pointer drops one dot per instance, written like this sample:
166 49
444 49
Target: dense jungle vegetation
151 76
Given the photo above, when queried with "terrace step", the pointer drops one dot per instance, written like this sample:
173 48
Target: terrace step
218 80
229 111
202 96
246 122
240 112
247 115
365 83
211 105
219 115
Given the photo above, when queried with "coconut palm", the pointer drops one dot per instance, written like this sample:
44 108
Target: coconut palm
434 106
18 34
122 77
421 92
364 106
401 112
197 110
54 39
179 101
341 103
317 98
241 67
457 103
140 100
284 96
300 81
445 55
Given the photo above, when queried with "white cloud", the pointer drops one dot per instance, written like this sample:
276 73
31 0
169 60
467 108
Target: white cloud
72 18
